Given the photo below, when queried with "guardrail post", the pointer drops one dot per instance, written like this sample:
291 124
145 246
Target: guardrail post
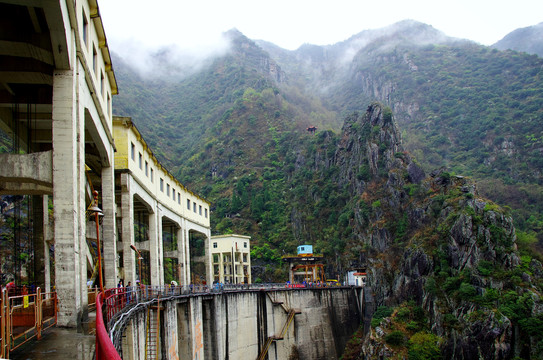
39 314
2 323
6 325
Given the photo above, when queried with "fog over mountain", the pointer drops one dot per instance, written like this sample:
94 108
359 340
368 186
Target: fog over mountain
528 39
389 106
170 62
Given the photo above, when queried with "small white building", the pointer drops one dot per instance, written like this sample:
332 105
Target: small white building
356 278
231 256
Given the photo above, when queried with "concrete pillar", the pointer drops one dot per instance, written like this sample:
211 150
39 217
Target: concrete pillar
68 197
184 331
154 261
127 210
128 344
170 331
181 278
187 254
109 240
221 268
208 257
160 250
197 328
40 248
46 256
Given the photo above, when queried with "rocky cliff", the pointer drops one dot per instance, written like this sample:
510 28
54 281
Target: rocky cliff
443 263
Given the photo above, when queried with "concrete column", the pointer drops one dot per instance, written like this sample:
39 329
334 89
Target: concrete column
187 254
170 331
184 330
46 257
127 211
40 248
160 249
250 277
108 225
197 327
154 228
128 344
208 258
68 166
221 268
182 279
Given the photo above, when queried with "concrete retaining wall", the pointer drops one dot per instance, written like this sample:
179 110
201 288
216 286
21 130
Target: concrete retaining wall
236 325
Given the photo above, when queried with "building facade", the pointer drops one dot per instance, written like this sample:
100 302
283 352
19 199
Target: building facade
158 216
231 256
59 144
57 84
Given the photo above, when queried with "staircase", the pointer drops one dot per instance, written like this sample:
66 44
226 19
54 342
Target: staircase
290 316
152 338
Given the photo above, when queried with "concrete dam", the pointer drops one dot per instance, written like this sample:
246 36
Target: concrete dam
251 323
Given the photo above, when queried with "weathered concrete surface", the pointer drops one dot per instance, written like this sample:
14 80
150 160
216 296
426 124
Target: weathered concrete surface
236 325
26 173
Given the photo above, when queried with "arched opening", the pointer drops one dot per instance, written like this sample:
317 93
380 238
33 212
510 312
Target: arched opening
197 248
170 247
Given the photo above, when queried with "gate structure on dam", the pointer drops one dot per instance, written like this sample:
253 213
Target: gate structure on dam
237 321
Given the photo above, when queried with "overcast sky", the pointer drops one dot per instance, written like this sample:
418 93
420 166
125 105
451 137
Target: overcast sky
197 24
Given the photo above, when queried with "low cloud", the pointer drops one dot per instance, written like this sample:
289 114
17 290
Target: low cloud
170 61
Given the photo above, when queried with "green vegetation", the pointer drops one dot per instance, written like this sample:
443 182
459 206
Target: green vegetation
239 139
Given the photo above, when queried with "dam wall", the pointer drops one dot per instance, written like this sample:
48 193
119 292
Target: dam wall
311 323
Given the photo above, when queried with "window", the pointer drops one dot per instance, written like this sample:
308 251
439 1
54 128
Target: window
133 151
200 210
94 60
245 244
194 207
102 83
173 194
244 257
140 160
206 212
215 258
85 29
152 175
162 185
214 245
146 168
108 105
188 204
179 198
168 189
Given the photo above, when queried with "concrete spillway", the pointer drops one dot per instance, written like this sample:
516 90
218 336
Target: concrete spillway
313 323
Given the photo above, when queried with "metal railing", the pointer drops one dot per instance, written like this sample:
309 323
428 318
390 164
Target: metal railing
24 317
116 300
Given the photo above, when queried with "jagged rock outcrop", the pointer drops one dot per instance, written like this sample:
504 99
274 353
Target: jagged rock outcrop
434 243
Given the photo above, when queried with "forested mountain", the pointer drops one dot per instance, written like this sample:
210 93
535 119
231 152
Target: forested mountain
455 275
476 110
528 39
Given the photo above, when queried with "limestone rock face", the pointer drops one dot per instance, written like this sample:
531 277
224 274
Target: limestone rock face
433 241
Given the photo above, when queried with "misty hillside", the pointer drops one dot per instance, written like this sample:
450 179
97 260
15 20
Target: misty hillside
528 39
234 130
425 169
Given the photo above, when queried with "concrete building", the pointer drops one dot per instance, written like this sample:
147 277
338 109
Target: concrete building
56 88
57 146
156 214
356 277
231 259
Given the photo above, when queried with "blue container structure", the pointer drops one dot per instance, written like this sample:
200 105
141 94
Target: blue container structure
305 250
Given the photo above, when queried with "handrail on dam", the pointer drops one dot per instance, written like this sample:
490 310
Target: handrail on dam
24 316
114 301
